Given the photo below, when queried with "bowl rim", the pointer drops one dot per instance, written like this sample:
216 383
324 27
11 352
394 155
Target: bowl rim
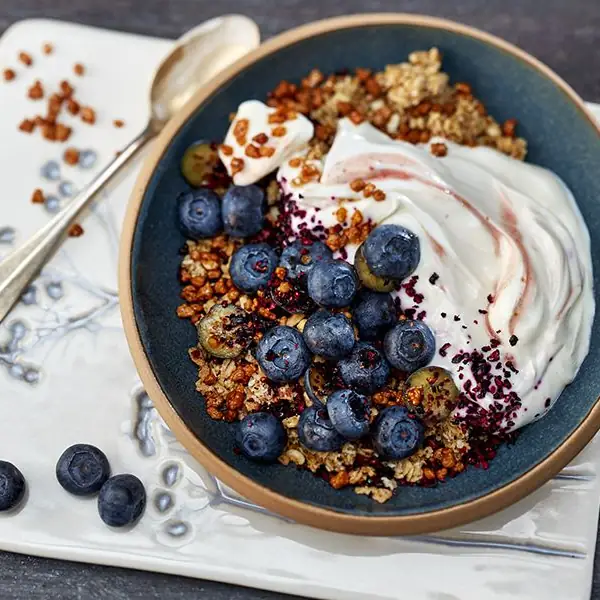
296 510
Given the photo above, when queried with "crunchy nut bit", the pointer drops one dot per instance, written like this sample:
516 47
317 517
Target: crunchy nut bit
36 91
66 89
49 132
185 311
78 69
439 149
356 117
72 106
63 133
358 185
339 480
252 151
373 87
214 413
344 108
71 156
266 151
260 138
357 218
25 59
369 190
379 195
237 164
341 214
428 474
27 125
463 88
88 115
279 131
37 197
508 127
362 74
313 79
235 399
118 123
47 48
240 130
76 230
226 150
336 241
9 74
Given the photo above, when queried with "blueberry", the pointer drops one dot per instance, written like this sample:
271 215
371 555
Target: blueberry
328 334
349 413
261 437
392 251
200 214
333 283
252 266
282 354
122 500
409 345
12 486
299 258
365 370
243 210
373 315
82 469
396 434
316 432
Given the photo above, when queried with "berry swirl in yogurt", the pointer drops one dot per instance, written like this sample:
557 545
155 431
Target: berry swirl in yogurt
505 262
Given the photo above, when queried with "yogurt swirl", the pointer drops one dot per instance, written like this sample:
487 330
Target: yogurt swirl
502 242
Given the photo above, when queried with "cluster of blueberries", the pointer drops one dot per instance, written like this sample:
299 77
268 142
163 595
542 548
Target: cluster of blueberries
83 470
389 255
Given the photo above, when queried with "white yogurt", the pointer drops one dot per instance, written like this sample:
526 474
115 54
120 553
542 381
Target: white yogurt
488 225
298 133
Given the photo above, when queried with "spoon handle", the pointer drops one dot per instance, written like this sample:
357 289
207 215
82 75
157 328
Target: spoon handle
21 266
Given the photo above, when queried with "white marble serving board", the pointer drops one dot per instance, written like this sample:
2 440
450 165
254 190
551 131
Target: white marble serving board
66 377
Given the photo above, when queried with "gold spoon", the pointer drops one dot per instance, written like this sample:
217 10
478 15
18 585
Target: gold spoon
197 56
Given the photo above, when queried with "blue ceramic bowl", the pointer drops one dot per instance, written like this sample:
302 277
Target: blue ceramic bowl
561 137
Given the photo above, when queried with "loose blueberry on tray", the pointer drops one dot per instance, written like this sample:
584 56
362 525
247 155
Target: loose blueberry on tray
243 210
12 486
328 334
261 437
316 431
82 469
122 500
396 434
299 258
392 251
365 370
349 413
282 354
252 266
200 214
409 345
332 283
373 314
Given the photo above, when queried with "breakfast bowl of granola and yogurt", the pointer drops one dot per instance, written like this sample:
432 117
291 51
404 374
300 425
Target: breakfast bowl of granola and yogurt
357 275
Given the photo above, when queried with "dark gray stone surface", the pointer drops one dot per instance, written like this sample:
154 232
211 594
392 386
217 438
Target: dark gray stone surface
565 34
